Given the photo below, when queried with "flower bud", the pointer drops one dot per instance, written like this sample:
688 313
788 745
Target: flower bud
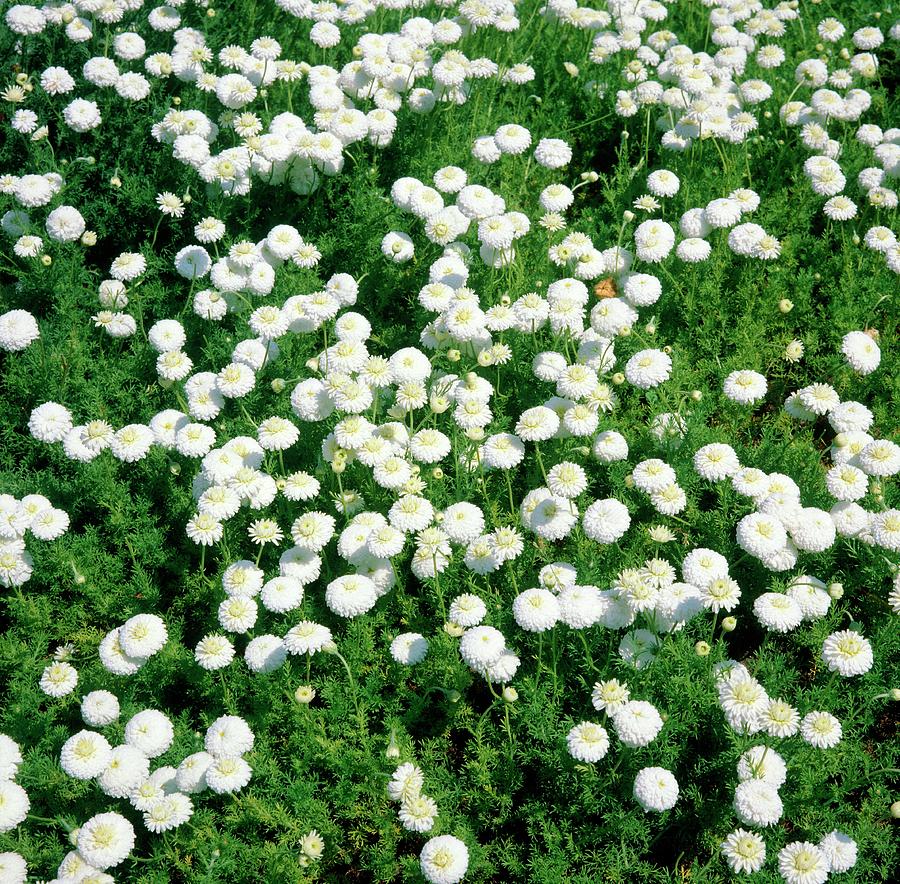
895 810
485 358
453 629
625 331
46 260
89 238
312 364
510 694
836 590
702 649
278 385
729 624
437 473
393 749
650 328
618 378
696 395
785 305
453 696
454 355
895 694
115 181
476 434
330 647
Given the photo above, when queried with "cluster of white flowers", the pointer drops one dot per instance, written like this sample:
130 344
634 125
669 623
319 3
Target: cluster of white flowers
417 811
14 801
123 771
33 515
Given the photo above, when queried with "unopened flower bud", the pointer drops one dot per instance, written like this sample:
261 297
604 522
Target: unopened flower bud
437 473
46 260
618 378
393 749
696 395
89 238
476 434
785 305
454 355
277 385
628 216
510 694
836 590
895 810
702 649
895 694
650 328
729 624
453 629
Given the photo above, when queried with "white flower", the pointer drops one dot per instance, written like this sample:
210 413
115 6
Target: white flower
848 653
757 803
444 860
803 863
105 840
745 851
648 368
409 648
588 742
655 789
